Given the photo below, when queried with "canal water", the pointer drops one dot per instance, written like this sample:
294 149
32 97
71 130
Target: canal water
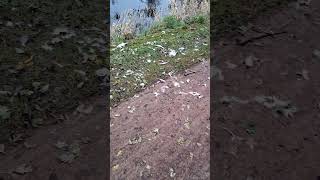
142 13
142 8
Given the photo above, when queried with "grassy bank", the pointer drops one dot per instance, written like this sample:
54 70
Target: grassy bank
169 46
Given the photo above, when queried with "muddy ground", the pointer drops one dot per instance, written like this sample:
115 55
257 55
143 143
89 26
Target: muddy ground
265 109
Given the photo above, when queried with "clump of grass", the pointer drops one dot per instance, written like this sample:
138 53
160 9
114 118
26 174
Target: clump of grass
172 22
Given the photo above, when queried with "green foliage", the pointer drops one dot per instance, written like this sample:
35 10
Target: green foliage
171 22
199 19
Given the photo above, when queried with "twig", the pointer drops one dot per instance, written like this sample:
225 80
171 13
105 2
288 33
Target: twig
266 34
189 72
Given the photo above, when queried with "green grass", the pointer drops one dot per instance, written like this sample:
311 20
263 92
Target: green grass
139 63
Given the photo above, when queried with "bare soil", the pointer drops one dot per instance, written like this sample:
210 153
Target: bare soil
253 140
41 154
163 132
173 127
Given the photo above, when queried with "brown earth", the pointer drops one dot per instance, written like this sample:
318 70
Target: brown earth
174 131
87 131
253 140
163 132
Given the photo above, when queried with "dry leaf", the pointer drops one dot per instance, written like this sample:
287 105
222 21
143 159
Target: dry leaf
23 169
2 148
115 167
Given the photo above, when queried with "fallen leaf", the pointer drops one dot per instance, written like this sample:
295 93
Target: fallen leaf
119 153
232 99
187 125
230 65
277 106
305 74
19 51
59 30
23 169
61 145
9 24
191 155
24 40
115 167
56 40
74 148
28 145
155 131
251 143
132 109
172 173
85 110
44 88
316 53
172 53
135 140
82 73
80 85
249 61
47 47
216 73
66 157
36 122
2 148
4 112
102 72
181 140
5 93
85 140
27 63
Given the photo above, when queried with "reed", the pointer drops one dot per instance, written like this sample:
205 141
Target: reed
189 8
131 22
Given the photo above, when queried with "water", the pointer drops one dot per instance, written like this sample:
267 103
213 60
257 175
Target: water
134 16
142 8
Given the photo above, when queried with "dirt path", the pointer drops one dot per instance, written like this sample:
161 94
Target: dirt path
273 139
163 132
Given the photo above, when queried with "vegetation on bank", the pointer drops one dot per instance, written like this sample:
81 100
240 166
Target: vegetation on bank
167 47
